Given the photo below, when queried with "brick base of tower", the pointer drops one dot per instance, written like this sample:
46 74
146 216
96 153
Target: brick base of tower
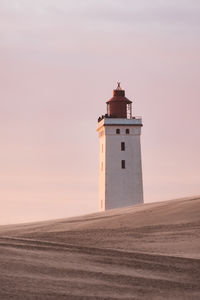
120 167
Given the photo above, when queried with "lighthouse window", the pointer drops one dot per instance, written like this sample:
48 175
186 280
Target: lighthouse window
123 164
117 131
127 131
122 146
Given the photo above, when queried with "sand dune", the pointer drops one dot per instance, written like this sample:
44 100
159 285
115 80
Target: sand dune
149 251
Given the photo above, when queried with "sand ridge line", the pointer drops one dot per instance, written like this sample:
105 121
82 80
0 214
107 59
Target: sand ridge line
159 278
47 245
105 257
115 279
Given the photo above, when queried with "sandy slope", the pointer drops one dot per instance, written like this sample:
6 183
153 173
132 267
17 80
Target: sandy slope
150 251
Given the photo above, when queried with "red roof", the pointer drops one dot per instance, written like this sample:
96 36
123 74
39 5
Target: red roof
119 99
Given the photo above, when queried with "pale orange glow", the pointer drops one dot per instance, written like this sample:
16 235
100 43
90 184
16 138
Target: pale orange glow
59 64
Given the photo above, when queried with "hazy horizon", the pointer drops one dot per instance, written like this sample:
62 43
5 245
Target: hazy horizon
59 64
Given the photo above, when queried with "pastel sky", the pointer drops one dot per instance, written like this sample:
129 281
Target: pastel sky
59 62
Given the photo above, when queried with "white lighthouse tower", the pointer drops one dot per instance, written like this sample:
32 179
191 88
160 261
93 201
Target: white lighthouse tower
120 168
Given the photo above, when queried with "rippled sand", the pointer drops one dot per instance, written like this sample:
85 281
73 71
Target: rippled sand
149 251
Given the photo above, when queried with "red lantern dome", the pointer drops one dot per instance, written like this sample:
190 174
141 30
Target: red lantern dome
119 106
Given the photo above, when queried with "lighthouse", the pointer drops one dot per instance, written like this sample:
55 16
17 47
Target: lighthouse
120 167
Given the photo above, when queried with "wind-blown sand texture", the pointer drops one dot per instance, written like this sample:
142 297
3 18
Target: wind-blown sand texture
149 251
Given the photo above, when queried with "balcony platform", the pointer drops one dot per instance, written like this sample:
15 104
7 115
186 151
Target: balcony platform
106 121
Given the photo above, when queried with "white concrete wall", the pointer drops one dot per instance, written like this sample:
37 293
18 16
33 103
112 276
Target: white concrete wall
102 182
120 187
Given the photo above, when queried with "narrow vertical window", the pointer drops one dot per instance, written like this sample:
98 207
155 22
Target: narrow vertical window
117 131
123 164
101 166
127 131
122 146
